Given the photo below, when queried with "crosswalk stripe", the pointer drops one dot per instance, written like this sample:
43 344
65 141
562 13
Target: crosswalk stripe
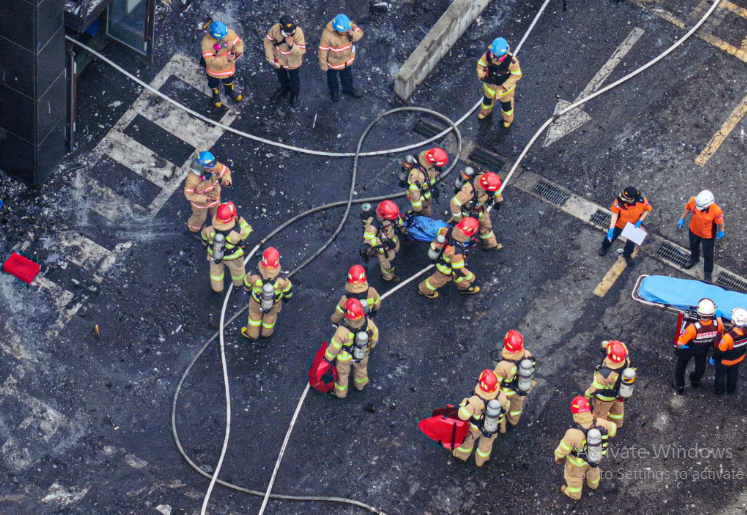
141 160
81 251
174 120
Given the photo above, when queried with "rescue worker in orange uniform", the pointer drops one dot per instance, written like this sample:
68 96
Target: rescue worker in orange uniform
474 199
284 48
729 353
604 390
264 306
694 342
573 449
704 215
450 265
422 173
506 372
357 288
629 207
345 350
337 54
221 48
202 189
381 235
499 72
235 230
474 409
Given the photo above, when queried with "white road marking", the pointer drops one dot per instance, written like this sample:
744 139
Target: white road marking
62 496
174 120
139 159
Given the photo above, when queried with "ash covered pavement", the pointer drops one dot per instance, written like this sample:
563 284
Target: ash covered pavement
86 420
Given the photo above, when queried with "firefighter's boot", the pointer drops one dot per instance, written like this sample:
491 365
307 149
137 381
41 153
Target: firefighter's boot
216 98
233 93
472 290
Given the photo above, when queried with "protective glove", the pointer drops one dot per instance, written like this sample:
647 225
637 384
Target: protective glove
710 360
681 223
559 461
719 313
638 223
684 347
610 233
373 313
719 235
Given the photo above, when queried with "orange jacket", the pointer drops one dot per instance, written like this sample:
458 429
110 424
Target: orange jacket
629 213
335 49
711 332
702 222
217 63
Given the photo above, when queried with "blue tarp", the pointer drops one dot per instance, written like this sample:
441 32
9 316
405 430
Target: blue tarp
684 293
422 228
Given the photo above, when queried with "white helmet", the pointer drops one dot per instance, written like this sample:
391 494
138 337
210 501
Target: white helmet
739 317
703 200
706 308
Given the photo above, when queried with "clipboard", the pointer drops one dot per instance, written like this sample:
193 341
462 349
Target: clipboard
634 234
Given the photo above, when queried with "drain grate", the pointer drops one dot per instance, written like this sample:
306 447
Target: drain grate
549 192
672 254
486 159
731 282
601 218
427 130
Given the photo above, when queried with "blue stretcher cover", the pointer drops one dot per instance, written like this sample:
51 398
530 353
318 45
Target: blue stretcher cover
684 293
423 228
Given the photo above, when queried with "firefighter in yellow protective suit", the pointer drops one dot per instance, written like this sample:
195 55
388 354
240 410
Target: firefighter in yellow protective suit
269 287
202 189
499 71
351 346
421 173
475 198
221 48
507 373
380 235
224 241
575 448
357 288
484 418
450 263
605 388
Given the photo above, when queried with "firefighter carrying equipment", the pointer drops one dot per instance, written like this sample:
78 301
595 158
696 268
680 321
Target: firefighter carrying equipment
278 52
381 240
357 288
336 49
269 287
423 172
515 371
451 265
605 388
499 74
445 427
233 249
463 178
475 200
203 189
220 53
322 374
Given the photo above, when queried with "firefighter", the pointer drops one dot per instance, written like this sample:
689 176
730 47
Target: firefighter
499 71
227 250
422 173
729 353
629 207
575 448
337 53
357 288
483 423
266 303
284 47
605 388
351 346
202 189
694 342
507 373
380 235
450 264
221 48
704 214
475 199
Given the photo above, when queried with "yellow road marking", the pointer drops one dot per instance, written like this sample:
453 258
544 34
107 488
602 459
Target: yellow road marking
609 279
723 133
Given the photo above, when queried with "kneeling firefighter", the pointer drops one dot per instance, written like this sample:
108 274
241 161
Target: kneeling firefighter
225 246
350 347
583 447
269 287
612 383
380 235
515 371
485 411
357 288
449 252
419 174
475 197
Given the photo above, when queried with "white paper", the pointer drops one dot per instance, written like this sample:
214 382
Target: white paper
634 234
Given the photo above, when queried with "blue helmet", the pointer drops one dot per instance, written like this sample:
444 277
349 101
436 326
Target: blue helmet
206 159
341 23
218 30
499 47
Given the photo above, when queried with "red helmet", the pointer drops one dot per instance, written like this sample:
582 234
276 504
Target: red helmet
468 226
357 275
436 157
488 382
490 182
579 404
387 210
617 351
271 258
513 341
353 309
226 212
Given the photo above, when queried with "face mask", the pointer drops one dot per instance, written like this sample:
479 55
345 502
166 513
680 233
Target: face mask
206 176
287 34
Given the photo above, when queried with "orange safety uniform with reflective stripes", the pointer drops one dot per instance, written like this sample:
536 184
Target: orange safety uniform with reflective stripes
732 347
702 333
702 222
628 213
335 49
196 189
216 61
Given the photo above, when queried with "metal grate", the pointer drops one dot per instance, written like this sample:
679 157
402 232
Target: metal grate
731 282
549 192
601 218
486 159
672 254
427 130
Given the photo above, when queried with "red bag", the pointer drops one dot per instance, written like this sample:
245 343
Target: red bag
21 267
445 427
322 375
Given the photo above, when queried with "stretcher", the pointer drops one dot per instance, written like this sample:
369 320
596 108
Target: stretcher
423 228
